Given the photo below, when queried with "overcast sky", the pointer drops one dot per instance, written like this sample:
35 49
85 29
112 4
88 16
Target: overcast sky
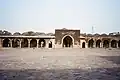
48 15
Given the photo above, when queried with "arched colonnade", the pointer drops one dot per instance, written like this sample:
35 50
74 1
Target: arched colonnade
22 43
106 43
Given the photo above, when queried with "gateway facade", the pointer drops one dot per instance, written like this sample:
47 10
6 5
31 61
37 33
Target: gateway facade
63 38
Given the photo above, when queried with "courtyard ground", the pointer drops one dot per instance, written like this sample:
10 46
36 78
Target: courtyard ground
59 64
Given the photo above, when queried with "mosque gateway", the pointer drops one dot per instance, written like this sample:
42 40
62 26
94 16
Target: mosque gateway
63 38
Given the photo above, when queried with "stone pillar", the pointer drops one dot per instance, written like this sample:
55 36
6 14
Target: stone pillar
86 46
110 44
37 43
94 44
11 43
20 43
101 44
47 43
0 43
29 42
117 44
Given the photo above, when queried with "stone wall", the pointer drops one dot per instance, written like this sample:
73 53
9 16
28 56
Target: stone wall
60 33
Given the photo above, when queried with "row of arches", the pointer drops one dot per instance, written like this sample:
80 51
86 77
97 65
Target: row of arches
68 42
25 43
105 43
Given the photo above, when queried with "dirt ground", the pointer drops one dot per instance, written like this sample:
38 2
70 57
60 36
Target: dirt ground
59 64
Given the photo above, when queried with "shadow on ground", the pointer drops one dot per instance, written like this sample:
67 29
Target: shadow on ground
61 74
114 59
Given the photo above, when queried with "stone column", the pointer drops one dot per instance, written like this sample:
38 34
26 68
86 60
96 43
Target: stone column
117 44
110 44
101 44
29 42
94 44
11 43
37 43
47 43
20 43
86 46
0 43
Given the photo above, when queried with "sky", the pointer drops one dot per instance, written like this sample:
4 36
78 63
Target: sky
48 15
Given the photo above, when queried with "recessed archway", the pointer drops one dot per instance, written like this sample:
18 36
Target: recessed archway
24 43
114 44
15 43
98 43
6 43
50 44
33 43
83 45
42 43
90 43
119 43
106 43
67 41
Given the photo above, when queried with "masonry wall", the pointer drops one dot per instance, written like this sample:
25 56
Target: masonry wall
60 33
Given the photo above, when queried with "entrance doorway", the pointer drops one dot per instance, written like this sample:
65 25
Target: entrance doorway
90 43
83 45
33 43
67 42
106 44
114 44
6 42
50 44
119 43
98 42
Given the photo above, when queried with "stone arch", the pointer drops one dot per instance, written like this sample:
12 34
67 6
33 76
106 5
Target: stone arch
33 43
119 43
15 43
67 41
83 45
6 43
98 43
50 44
24 43
42 43
90 43
106 43
114 44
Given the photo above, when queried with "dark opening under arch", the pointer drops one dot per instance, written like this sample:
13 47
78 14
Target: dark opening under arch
106 43
6 42
33 43
50 44
67 42
114 44
24 43
83 45
119 43
90 43
98 43
15 43
42 43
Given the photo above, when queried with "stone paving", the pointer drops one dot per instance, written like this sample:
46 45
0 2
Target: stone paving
59 64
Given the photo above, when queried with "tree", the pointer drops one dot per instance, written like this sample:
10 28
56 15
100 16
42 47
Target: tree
103 34
39 33
29 33
5 32
17 34
90 35
96 34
